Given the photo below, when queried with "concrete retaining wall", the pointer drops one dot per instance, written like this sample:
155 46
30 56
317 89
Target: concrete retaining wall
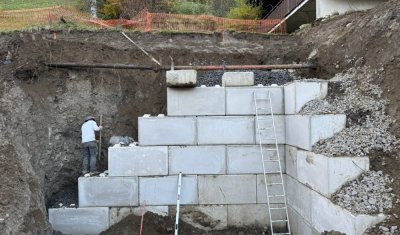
298 93
80 221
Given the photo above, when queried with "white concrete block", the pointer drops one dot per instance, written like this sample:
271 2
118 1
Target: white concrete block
108 191
160 191
117 214
255 215
181 78
297 94
303 131
312 170
225 130
80 221
240 101
298 225
272 189
167 131
230 79
196 101
299 197
248 160
363 222
197 160
137 161
205 217
291 161
344 169
267 136
224 189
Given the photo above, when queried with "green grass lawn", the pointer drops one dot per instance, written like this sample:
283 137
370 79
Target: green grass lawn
29 4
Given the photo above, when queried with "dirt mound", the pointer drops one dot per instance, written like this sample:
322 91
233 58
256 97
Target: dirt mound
159 225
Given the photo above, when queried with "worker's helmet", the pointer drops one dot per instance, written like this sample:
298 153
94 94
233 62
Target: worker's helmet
88 118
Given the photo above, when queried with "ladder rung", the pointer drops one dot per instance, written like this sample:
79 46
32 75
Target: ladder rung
279 221
279 195
265 128
280 208
272 172
275 184
262 98
263 118
271 160
266 109
269 149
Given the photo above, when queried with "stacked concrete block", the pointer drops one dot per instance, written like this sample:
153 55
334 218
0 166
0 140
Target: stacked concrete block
108 191
240 101
167 131
225 130
298 225
196 101
160 191
298 93
324 174
303 131
181 78
138 161
117 214
236 79
299 198
267 136
273 190
227 189
80 221
248 160
198 160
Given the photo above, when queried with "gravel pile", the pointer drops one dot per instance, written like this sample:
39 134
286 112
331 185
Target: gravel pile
369 194
266 78
357 95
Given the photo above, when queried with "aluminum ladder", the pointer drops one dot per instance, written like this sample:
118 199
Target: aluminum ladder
265 124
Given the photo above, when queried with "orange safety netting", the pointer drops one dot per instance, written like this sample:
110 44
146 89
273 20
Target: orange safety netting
144 21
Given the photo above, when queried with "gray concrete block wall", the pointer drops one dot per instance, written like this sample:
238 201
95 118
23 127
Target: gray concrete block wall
240 101
138 161
267 136
200 101
227 189
197 160
108 191
272 189
167 131
160 191
242 159
80 221
225 130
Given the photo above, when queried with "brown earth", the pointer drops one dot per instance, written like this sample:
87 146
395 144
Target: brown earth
41 109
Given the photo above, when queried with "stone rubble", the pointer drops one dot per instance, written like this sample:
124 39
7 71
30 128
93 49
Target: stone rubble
369 194
356 94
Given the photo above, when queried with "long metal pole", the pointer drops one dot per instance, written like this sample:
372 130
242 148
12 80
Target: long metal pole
211 67
178 201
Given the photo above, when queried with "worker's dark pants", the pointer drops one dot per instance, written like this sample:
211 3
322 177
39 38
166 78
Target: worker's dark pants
89 156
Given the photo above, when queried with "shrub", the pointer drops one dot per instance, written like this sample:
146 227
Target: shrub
111 9
244 11
190 8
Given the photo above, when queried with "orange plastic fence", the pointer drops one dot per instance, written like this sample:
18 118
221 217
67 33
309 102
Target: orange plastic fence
144 21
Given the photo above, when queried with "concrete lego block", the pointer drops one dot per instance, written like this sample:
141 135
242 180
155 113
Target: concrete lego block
252 215
181 78
225 130
137 161
291 161
303 131
248 160
327 216
159 191
108 191
272 189
297 94
205 217
167 131
298 225
299 197
312 170
79 221
267 136
325 126
117 214
223 189
197 160
196 101
240 101
230 79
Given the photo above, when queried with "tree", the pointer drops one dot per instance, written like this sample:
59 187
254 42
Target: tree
243 10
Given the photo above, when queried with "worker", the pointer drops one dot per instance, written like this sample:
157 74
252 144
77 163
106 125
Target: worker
89 145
